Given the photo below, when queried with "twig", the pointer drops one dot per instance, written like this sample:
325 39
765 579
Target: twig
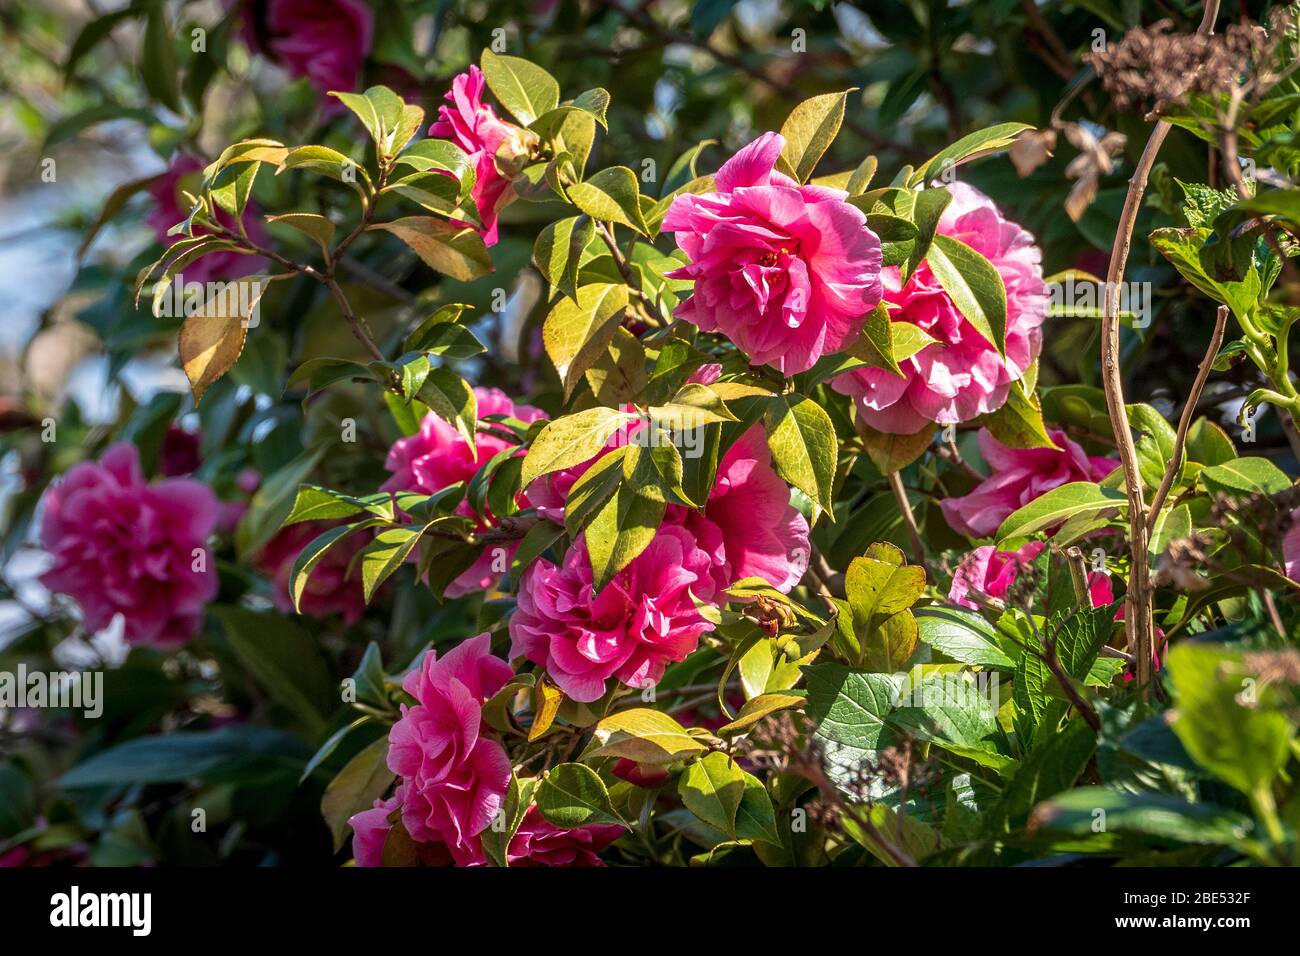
909 519
1138 598
1185 422
1078 575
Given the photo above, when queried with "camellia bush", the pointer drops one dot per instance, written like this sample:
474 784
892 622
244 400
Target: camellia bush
583 460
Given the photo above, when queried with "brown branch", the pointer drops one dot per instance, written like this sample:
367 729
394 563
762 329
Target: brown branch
1185 422
909 519
1138 598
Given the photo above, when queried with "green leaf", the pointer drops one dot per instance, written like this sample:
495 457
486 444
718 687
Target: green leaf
881 590
322 159
623 528
611 195
1054 507
226 753
971 146
804 448
309 224
1245 476
1160 816
712 788
577 331
1047 771
455 251
158 66
572 795
641 734
384 555
442 334
523 88
497 838
809 131
430 155
975 287
1242 742
571 440
757 708
1019 422
314 553
284 659
849 707
755 817
558 252
359 784
962 636
451 399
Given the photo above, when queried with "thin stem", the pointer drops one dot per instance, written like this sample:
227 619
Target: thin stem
649 310
1185 422
1139 597
909 519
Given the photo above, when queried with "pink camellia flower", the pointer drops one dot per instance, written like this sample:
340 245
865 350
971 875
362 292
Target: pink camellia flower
122 546
473 126
370 829
961 376
538 842
454 778
787 272
327 41
991 573
170 207
438 456
330 589
1291 549
647 616
1019 476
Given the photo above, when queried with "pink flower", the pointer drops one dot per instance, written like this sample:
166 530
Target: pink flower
961 376
647 617
453 777
992 573
180 452
538 842
1019 476
473 126
437 456
122 546
787 272
171 207
330 589
706 374
370 829
1291 549
326 41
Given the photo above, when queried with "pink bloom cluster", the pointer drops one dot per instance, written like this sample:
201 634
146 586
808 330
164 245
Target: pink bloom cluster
438 456
331 589
1019 476
961 376
170 208
326 41
473 126
454 777
123 546
647 616
787 272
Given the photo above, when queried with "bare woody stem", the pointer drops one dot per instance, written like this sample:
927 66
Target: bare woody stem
1138 600
648 308
909 519
1185 422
